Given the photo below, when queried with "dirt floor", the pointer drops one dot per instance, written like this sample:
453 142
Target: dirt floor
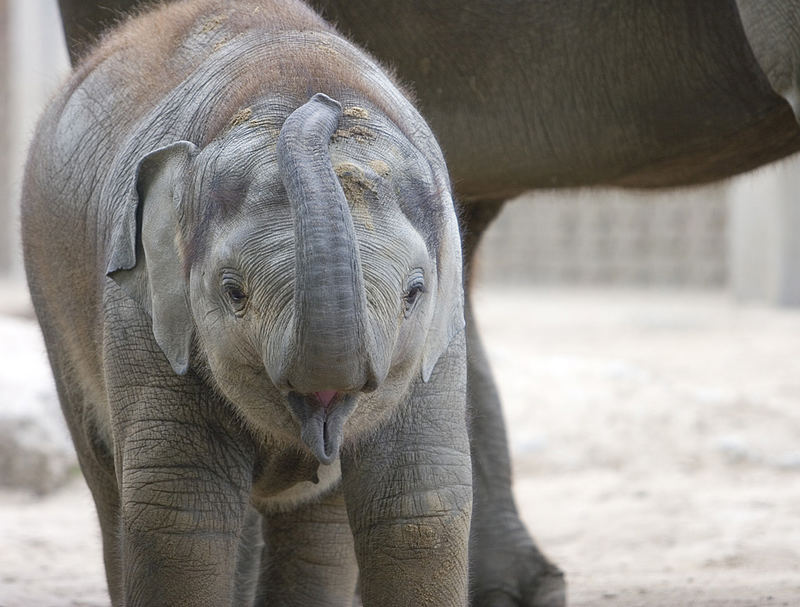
656 439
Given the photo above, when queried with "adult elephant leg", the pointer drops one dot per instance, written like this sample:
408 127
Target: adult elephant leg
408 492
773 32
506 567
97 466
308 557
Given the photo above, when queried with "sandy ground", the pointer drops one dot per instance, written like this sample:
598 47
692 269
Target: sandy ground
655 438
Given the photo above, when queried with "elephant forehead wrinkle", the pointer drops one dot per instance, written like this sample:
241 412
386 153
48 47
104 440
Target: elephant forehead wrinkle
380 167
356 112
225 195
358 133
422 207
240 117
358 188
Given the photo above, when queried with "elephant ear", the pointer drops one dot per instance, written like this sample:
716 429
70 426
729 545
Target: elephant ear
448 314
154 275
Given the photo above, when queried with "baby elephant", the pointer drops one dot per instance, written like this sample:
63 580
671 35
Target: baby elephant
243 253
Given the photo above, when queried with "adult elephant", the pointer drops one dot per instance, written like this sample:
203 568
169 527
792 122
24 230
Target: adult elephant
529 94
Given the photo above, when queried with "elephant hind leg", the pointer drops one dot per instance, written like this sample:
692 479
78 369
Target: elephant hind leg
506 566
248 558
308 557
97 465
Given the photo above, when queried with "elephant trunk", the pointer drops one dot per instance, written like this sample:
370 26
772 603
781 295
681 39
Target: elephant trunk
328 348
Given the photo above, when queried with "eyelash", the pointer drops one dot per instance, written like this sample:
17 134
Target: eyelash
234 292
412 294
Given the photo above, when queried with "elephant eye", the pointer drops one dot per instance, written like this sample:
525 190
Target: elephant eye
416 287
234 292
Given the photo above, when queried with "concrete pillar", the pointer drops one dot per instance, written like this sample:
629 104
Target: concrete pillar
764 245
6 193
34 61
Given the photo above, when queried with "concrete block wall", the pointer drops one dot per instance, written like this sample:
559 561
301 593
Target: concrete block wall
33 60
764 247
610 237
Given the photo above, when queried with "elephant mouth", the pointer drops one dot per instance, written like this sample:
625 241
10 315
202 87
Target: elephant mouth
321 416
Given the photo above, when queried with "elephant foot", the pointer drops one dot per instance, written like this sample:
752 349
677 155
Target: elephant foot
508 570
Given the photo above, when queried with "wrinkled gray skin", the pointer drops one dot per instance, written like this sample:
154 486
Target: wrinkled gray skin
552 93
242 250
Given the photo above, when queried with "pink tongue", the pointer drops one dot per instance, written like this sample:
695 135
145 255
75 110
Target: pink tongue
325 396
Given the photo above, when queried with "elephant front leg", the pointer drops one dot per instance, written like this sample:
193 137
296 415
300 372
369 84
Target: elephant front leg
185 485
408 491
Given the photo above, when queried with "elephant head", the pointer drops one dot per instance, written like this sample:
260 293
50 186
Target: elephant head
309 272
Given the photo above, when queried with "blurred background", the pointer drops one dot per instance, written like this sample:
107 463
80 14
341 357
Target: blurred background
646 348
